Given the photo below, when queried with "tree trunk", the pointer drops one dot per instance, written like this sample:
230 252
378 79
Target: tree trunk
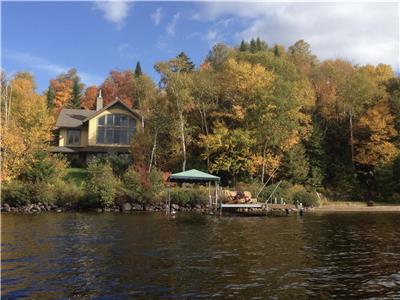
263 163
206 130
182 125
153 151
351 135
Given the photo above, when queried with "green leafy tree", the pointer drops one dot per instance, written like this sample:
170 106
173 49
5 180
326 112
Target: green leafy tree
295 164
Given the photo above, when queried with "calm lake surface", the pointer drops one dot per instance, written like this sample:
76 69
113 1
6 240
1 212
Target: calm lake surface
148 255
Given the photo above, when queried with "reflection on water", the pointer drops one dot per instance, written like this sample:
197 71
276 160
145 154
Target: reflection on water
78 255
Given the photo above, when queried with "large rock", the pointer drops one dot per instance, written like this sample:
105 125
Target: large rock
6 207
126 206
175 206
35 208
137 207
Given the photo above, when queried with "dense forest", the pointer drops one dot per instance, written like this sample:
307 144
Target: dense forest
247 113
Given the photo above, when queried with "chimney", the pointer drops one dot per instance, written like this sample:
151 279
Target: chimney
99 101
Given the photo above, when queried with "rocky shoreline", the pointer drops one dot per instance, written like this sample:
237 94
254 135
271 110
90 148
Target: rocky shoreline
124 207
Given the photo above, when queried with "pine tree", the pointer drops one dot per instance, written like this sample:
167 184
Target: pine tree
77 88
50 96
243 46
258 44
186 65
253 46
138 70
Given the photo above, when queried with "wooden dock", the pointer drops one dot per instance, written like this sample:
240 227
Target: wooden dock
255 206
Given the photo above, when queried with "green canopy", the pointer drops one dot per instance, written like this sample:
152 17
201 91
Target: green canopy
193 176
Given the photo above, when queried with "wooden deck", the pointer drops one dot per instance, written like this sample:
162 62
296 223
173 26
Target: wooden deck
257 205
243 205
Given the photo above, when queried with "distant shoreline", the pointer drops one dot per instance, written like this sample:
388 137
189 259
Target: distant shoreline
356 208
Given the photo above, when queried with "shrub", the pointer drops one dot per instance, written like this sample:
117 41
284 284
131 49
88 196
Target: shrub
43 167
308 199
141 186
69 194
18 193
101 186
132 186
119 163
156 187
15 193
189 196
280 192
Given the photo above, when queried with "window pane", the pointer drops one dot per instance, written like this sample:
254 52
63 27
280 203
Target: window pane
109 136
132 122
101 120
117 120
124 136
70 139
100 135
117 136
124 121
110 120
73 137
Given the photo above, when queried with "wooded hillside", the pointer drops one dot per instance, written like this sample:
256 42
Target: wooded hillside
246 113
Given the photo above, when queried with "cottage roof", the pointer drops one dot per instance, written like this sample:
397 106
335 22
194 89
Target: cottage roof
73 117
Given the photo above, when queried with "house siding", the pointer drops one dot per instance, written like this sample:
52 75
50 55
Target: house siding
63 138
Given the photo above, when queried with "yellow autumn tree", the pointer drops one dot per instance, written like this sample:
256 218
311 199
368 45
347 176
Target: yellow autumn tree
243 84
376 132
29 128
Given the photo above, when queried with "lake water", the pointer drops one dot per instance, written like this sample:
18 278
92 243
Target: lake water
148 255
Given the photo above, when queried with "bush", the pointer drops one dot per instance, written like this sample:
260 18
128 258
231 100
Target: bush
43 167
132 186
18 193
119 163
157 186
308 199
101 186
69 194
189 196
281 192
141 186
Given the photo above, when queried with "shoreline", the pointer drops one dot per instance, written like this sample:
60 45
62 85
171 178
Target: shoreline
356 208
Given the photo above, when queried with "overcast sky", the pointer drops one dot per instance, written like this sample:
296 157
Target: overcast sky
47 38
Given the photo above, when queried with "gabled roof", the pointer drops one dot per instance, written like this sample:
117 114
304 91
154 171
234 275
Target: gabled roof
193 176
117 101
73 117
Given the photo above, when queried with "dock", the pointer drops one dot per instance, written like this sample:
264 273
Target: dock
257 206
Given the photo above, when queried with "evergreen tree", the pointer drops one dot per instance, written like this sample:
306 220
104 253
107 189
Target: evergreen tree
138 70
253 46
77 88
278 50
243 46
50 95
186 65
261 45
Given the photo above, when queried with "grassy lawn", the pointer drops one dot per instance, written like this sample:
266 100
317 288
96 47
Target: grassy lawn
76 175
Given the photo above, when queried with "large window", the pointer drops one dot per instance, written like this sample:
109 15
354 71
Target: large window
73 137
115 129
